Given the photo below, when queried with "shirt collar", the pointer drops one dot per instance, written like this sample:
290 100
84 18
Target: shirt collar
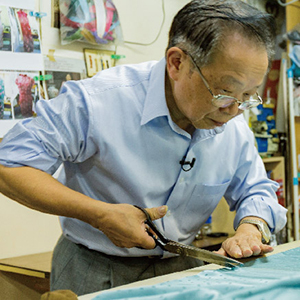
155 102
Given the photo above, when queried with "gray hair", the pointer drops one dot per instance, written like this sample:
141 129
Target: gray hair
201 26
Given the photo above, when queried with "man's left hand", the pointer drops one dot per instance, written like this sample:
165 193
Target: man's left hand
245 243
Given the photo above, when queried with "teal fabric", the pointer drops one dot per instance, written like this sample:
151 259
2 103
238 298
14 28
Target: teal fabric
272 277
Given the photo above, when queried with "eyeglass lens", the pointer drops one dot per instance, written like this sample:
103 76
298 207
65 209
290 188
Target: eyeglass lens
225 101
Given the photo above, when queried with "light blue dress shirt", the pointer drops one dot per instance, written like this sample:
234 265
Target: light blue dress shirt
117 142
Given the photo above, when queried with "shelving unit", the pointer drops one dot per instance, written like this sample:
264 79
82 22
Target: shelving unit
292 19
276 166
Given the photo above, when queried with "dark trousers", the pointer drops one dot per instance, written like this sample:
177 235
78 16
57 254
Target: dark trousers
84 271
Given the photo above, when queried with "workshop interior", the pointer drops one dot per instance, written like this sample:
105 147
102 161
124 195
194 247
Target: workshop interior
44 44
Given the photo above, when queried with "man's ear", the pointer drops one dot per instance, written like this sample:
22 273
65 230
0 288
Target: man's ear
174 59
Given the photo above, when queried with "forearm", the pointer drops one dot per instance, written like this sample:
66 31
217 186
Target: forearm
122 223
40 191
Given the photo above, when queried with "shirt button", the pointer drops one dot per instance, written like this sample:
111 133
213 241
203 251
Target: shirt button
181 180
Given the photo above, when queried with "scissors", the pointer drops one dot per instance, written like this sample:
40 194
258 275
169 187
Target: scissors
185 250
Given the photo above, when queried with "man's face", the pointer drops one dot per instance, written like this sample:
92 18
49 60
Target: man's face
236 71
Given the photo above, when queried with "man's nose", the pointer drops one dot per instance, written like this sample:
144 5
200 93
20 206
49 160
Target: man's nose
231 110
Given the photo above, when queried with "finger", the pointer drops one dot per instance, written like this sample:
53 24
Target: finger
232 248
140 239
147 242
151 232
221 251
157 212
249 248
266 248
254 248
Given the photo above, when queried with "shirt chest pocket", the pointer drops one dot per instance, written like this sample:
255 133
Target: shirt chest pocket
203 201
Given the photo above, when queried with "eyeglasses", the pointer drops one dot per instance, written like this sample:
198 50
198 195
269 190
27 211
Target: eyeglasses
224 100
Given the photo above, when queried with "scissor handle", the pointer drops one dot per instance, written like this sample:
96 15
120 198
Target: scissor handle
162 240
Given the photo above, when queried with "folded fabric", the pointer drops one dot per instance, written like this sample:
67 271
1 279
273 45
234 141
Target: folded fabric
273 277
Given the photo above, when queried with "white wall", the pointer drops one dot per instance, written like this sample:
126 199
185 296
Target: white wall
25 231
141 20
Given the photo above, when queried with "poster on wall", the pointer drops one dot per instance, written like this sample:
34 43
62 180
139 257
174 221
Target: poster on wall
55 84
61 70
20 44
20 62
5 30
19 93
25 31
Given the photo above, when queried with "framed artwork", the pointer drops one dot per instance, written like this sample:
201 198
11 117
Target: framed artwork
98 60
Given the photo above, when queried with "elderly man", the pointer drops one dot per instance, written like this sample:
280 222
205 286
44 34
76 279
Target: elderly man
165 135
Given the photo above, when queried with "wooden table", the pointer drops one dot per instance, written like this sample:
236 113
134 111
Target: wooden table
191 272
26 277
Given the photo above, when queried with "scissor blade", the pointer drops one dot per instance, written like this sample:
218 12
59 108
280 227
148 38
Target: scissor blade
201 254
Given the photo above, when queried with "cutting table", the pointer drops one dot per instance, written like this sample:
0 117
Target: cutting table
182 275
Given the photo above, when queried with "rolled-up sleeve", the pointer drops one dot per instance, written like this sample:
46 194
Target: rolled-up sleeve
60 132
251 193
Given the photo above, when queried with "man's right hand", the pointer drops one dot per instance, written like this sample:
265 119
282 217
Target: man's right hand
124 224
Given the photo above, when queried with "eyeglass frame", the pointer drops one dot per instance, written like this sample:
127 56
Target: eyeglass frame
247 103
